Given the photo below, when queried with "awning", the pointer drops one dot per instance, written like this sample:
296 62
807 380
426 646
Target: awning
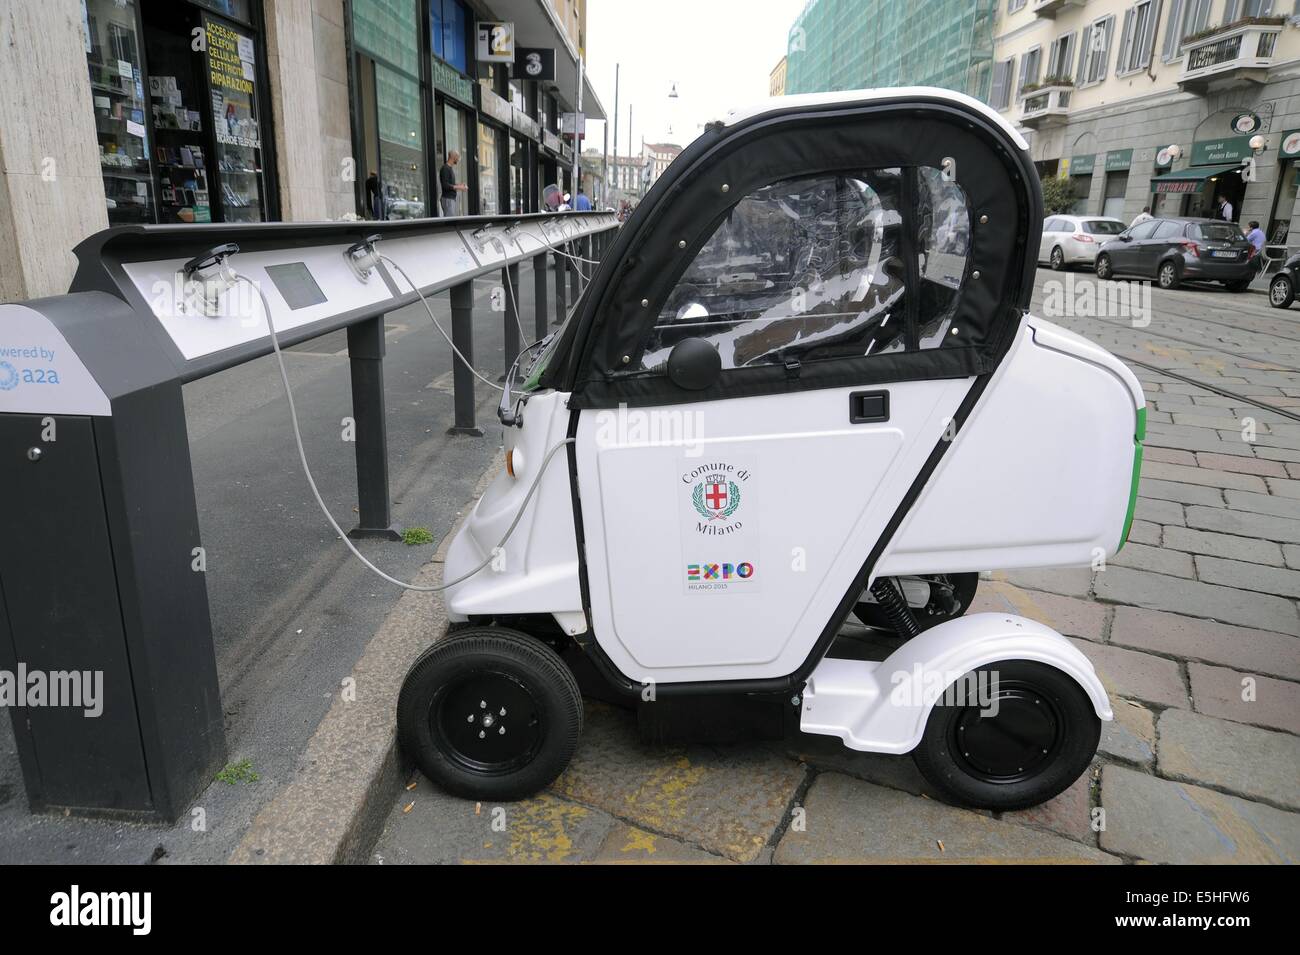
1189 179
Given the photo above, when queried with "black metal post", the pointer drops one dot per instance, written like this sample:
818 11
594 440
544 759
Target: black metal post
539 294
462 335
511 346
560 309
366 360
575 279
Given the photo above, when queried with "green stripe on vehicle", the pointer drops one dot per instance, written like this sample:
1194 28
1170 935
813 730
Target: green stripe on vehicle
1139 435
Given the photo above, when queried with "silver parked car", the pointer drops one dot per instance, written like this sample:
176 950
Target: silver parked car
1074 240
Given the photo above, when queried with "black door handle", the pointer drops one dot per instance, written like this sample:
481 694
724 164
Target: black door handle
868 406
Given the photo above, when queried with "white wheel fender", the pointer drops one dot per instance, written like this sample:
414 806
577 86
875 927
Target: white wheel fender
882 707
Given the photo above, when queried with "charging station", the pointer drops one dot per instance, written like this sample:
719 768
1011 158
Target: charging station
103 571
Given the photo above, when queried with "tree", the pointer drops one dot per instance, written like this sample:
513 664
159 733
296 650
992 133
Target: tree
1058 194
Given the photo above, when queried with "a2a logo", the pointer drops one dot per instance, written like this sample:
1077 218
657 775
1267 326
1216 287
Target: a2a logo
11 376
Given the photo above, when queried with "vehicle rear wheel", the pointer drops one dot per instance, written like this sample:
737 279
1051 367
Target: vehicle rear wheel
1281 293
1167 275
1102 267
1057 259
490 713
1038 739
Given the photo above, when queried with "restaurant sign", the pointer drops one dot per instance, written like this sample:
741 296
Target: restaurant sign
1209 152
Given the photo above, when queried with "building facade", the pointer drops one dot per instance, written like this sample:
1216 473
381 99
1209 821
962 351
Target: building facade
776 79
1170 104
655 158
193 111
858 44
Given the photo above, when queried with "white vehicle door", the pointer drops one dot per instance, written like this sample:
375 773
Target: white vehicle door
853 300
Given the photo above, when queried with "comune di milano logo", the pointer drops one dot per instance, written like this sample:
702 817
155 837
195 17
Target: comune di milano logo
76 908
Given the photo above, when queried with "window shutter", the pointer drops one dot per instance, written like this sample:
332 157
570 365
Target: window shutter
1173 26
1148 35
998 96
1081 76
1229 11
1125 58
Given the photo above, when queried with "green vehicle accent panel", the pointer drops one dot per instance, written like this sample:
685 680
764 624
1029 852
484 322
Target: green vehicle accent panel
1139 435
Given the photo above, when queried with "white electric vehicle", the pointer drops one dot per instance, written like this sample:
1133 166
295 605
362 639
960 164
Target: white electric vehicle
801 384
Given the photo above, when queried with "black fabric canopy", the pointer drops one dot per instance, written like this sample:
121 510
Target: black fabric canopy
727 163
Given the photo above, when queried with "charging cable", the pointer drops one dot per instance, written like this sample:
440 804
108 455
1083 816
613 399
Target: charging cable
425 302
311 481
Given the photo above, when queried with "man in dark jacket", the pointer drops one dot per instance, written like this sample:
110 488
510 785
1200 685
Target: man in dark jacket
448 186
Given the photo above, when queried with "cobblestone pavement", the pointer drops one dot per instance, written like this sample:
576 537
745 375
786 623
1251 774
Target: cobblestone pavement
1194 627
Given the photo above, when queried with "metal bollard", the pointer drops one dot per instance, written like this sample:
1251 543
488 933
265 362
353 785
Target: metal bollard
366 360
539 295
462 335
560 309
510 283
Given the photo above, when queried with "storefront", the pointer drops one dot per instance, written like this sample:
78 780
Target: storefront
453 107
1214 170
1284 194
495 116
1116 185
178 93
389 111
1081 168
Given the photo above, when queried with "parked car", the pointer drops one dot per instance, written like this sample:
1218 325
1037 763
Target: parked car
1074 240
1282 286
1174 250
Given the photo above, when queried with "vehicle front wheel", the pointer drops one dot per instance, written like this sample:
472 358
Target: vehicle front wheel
1281 293
1020 733
1102 267
489 713
1057 259
1167 275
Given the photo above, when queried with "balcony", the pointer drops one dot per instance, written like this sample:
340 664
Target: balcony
1050 8
1237 54
1045 105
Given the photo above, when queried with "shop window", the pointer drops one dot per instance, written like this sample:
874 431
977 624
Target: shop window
387 28
1116 189
401 145
117 92
800 270
489 170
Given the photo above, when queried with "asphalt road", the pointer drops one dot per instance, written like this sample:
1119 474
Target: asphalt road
291 609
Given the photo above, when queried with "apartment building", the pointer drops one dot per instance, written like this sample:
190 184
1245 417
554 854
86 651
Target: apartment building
1162 103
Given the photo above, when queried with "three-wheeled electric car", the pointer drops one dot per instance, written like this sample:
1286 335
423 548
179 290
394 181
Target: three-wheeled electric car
801 384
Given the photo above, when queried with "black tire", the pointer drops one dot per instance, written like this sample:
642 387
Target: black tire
1167 276
1057 259
503 681
1281 291
1047 738
963 592
1102 267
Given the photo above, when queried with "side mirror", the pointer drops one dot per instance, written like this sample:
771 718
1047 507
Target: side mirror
1125 237
694 364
